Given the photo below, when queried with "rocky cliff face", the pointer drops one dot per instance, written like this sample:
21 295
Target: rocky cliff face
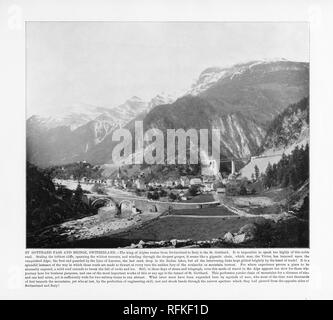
240 101
288 130
240 134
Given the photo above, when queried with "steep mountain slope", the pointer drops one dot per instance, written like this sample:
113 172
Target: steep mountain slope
72 136
288 130
240 135
240 101
160 99
260 88
128 110
72 116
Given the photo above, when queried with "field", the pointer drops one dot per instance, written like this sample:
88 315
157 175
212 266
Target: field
272 201
201 198
216 211
172 227
168 228
209 223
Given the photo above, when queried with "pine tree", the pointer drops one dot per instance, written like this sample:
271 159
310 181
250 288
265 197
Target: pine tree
293 180
269 176
274 174
282 169
256 172
243 191
291 170
78 195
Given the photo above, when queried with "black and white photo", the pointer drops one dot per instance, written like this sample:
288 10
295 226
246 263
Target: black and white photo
167 134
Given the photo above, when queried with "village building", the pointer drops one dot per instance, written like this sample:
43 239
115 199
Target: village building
109 182
151 184
224 181
123 183
116 182
208 186
195 181
182 196
210 169
220 190
140 184
184 181
169 183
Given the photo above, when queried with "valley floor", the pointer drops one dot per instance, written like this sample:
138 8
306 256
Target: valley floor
195 224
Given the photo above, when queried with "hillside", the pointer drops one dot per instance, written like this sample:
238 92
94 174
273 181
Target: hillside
290 129
72 135
240 134
259 88
241 101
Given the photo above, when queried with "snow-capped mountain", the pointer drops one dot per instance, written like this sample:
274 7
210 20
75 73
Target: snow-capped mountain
72 116
241 101
80 114
78 129
210 76
161 99
128 110
206 79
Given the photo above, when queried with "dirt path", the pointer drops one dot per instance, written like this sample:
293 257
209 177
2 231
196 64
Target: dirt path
196 216
275 217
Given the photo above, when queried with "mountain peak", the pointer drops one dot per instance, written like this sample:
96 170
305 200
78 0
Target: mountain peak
161 98
210 76
211 70
73 116
135 98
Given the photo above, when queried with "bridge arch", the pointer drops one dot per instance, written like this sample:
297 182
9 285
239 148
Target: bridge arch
126 206
152 208
103 202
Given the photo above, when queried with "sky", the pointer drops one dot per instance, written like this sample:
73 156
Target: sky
105 63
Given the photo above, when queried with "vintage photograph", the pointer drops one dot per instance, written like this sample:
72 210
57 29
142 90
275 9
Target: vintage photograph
167 134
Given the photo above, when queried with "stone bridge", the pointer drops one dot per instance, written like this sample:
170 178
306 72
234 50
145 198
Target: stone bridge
125 206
